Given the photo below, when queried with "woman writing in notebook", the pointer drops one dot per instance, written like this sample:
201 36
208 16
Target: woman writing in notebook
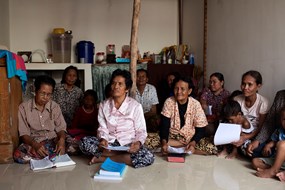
121 123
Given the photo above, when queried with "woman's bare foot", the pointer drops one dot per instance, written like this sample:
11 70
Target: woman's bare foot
266 173
258 163
96 160
281 176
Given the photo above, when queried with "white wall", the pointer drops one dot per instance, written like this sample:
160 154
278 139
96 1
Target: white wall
4 23
100 21
193 27
245 35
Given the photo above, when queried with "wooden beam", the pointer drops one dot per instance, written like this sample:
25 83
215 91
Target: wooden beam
134 45
180 21
205 43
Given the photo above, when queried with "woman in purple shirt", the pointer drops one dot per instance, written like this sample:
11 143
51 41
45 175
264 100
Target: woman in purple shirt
121 123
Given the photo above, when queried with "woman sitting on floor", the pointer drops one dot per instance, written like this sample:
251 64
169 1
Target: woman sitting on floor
183 119
121 123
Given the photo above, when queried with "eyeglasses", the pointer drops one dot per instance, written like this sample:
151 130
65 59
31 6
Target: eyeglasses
43 94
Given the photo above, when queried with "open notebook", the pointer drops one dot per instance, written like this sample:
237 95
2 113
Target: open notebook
45 163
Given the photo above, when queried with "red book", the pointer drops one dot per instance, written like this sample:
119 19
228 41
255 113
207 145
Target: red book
174 157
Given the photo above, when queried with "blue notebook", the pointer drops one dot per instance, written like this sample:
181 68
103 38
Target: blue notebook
111 170
113 167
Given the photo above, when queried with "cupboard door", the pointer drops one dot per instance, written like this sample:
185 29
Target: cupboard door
6 144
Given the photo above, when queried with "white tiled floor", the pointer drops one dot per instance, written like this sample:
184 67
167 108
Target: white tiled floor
197 173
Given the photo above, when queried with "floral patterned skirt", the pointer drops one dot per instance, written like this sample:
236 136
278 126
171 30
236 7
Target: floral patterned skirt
143 157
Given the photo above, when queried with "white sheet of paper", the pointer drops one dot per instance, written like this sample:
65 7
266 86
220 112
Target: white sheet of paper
227 133
177 150
117 148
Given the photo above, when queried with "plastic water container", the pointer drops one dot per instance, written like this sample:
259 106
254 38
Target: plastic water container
61 47
85 52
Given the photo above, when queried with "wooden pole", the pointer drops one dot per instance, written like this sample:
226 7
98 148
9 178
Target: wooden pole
180 18
134 45
205 43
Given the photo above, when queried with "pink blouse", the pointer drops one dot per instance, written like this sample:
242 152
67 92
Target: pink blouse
126 124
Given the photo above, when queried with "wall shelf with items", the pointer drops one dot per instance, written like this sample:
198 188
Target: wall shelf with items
55 70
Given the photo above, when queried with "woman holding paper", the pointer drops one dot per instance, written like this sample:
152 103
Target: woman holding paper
183 119
254 106
121 123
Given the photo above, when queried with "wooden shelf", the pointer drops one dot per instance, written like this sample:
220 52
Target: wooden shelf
86 68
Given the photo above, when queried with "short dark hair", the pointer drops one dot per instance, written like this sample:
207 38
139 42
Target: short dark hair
92 93
43 79
77 82
254 74
234 94
142 70
218 75
232 108
184 79
125 74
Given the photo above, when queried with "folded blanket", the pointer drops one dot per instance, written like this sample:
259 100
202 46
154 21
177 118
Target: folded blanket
15 66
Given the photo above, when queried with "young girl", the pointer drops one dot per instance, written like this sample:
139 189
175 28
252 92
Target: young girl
232 112
85 122
68 94
270 166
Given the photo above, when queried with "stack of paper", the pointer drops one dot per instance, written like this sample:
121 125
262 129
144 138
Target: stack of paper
110 170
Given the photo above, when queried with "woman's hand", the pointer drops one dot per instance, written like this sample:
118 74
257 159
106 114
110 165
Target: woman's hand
60 147
240 142
135 147
267 148
103 143
190 147
251 147
164 147
40 149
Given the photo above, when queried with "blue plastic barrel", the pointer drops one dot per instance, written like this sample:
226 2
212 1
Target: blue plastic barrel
85 52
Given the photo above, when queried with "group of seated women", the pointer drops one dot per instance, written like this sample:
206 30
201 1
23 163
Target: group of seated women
43 129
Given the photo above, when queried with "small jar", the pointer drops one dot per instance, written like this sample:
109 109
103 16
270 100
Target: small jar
111 49
100 57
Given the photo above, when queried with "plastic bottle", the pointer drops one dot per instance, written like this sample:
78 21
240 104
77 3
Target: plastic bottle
192 60
164 58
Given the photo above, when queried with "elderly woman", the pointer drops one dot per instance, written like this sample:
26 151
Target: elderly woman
183 119
41 124
213 99
121 123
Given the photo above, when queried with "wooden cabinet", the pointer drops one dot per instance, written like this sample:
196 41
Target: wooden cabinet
10 98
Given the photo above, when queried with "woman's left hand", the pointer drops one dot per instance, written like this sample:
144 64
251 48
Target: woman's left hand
60 147
135 147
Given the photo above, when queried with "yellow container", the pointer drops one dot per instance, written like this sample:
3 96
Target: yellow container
58 30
